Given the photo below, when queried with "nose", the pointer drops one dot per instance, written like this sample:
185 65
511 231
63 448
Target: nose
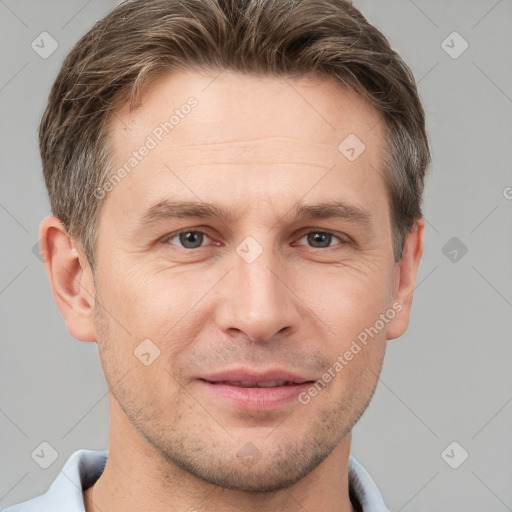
257 301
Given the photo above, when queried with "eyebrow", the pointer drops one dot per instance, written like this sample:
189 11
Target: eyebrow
168 210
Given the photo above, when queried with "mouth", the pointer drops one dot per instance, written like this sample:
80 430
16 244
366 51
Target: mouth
263 391
263 384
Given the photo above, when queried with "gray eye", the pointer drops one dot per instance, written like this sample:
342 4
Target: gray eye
191 239
188 239
319 239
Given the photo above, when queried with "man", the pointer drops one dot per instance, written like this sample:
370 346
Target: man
236 188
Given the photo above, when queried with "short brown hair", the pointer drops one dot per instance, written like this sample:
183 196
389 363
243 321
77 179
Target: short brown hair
142 39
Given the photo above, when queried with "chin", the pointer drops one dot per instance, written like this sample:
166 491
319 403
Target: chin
266 469
268 474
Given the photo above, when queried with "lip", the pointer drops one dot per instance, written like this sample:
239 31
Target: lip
255 398
241 374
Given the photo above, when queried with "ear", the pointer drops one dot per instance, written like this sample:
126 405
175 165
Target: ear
71 278
405 280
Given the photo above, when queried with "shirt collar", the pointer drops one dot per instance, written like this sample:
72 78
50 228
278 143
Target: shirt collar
364 489
84 467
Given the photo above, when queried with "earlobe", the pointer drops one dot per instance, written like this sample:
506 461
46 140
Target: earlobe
405 280
70 278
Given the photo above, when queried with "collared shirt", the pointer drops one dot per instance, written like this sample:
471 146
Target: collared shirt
84 467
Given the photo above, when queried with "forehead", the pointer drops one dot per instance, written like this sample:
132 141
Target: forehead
234 134
246 106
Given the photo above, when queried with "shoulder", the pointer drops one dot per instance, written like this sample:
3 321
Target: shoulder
79 472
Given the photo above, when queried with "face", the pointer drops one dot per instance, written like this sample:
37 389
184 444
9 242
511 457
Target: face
231 328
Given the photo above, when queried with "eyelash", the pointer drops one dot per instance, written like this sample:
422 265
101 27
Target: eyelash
167 239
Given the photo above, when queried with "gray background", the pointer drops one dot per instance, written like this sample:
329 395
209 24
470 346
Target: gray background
447 379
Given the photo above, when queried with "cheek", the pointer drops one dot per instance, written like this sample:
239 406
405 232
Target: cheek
161 306
348 300
141 298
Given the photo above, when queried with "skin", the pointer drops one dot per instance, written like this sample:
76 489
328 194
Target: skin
260 145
